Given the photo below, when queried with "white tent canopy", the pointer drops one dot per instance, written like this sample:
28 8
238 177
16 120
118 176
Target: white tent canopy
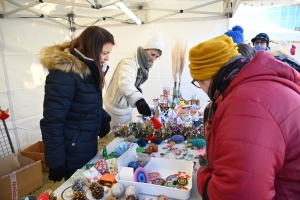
22 77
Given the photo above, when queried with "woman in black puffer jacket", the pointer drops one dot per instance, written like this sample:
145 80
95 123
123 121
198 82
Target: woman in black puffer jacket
73 115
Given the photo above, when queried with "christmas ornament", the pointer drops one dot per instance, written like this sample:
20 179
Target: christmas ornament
78 185
97 190
132 190
133 164
79 195
4 114
153 175
176 138
117 189
104 153
132 197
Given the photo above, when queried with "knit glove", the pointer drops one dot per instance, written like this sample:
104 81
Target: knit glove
56 174
105 127
143 107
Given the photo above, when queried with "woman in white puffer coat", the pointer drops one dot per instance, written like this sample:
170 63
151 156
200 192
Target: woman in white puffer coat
124 90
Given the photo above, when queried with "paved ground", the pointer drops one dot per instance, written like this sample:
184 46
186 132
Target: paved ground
51 185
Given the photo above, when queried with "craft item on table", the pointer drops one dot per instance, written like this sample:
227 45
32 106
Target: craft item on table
117 189
97 190
153 175
158 181
79 195
121 148
141 142
104 152
197 142
111 197
78 185
183 175
78 174
130 138
175 138
132 190
151 149
101 165
112 165
4 114
153 120
47 195
132 197
141 175
126 174
182 182
133 164
91 175
162 197
87 166
142 163
111 155
107 179
140 149
154 139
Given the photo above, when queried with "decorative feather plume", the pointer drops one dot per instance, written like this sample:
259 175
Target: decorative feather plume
182 59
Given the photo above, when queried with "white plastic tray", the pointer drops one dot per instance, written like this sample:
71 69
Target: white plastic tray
165 167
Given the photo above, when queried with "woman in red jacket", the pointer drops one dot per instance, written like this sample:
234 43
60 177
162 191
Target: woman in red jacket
252 124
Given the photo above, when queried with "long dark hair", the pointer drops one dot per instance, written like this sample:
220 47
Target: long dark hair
90 43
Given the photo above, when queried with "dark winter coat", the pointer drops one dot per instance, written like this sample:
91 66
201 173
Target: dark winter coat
73 109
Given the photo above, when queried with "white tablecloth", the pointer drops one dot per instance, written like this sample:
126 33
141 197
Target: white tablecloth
110 148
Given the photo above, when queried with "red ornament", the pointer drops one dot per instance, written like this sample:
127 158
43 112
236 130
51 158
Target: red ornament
4 114
43 196
156 123
151 139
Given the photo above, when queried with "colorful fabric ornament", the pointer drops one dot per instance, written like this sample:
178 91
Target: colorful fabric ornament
101 165
176 138
121 148
197 142
141 175
133 165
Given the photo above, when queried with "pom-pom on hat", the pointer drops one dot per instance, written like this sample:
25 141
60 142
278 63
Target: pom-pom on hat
261 36
237 34
208 57
155 42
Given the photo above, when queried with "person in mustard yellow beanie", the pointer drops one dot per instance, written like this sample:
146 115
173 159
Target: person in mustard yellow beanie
252 141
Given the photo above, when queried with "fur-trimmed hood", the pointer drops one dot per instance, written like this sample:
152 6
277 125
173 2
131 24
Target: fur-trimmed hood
58 57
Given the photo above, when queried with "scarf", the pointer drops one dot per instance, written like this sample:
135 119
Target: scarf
143 71
217 89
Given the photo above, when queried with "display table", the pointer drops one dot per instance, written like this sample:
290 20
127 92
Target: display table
110 148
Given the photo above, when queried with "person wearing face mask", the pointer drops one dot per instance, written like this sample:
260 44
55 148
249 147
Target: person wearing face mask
261 42
124 92
73 114
251 125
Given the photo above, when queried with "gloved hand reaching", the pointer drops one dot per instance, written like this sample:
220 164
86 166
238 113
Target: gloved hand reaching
143 108
56 174
105 127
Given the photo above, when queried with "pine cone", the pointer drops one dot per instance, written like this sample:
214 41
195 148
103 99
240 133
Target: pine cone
51 195
78 185
79 195
97 190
